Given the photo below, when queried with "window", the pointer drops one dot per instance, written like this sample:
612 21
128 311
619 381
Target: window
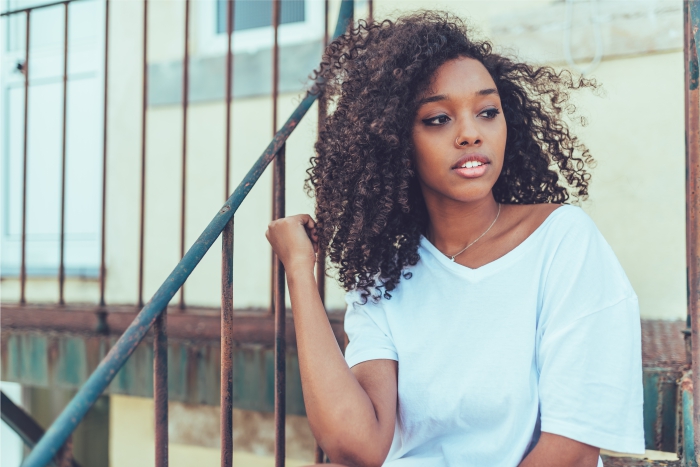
83 140
258 14
301 21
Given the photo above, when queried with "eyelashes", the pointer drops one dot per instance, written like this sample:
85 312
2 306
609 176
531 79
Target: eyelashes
491 113
438 120
435 121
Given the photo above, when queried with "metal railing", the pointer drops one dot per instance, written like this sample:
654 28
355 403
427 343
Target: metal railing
154 312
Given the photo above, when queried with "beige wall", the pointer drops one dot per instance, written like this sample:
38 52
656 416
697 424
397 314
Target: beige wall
194 436
635 133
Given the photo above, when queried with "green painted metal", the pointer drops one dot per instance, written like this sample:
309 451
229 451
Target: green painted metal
193 369
660 407
686 446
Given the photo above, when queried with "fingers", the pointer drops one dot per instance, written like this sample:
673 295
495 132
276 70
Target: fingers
308 222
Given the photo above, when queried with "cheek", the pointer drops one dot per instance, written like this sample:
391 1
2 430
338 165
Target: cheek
426 157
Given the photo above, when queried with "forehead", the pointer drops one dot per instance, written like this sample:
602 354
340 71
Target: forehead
460 76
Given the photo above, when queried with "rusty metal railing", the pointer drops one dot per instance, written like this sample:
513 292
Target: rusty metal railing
153 313
691 17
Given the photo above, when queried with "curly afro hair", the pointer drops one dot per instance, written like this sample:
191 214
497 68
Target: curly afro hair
369 207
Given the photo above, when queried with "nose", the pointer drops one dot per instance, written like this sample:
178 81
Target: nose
468 135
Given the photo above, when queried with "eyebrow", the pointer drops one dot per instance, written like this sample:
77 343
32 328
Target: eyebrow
443 97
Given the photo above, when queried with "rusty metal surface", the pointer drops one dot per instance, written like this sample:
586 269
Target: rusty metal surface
280 318
160 388
322 103
226 390
609 461
229 86
278 296
692 109
275 94
662 344
144 107
62 240
23 260
227 346
325 23
254 327
103 234
183 175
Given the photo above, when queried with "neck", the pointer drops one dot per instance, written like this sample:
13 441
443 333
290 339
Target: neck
453 225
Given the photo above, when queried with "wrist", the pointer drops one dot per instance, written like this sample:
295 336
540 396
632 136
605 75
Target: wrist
299 272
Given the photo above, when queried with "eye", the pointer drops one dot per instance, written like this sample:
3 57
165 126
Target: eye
435 121
490 113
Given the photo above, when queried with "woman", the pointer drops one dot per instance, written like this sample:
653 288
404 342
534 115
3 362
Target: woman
489 322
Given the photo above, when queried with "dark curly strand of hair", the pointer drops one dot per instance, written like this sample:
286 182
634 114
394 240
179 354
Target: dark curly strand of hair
369 208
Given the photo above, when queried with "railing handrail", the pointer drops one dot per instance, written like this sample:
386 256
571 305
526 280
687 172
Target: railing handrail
59 431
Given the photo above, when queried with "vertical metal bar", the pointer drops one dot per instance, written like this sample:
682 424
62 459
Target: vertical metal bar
371 11
226 392
144 106
62 246
280 320
692 119
275 92
160 387
275 61
687 45
278 201
185 101
229 90
23 261
325 23
319 455
104 162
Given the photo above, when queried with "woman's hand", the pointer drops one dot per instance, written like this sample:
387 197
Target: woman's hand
294 241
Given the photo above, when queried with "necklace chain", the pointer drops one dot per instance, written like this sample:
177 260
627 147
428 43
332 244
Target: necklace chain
452 257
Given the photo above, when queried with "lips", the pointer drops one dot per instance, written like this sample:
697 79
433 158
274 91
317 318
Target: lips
472 165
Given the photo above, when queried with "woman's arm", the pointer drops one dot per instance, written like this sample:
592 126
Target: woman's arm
559 451
351 411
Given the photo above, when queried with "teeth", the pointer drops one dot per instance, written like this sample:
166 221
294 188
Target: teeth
472 164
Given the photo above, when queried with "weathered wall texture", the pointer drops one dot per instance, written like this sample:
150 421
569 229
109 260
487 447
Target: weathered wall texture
194 435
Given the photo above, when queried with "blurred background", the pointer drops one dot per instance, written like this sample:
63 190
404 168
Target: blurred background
143 175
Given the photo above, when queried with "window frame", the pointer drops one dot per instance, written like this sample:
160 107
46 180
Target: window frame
252 40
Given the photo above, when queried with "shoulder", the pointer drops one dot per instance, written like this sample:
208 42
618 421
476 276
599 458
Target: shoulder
552 223
532 216
580 264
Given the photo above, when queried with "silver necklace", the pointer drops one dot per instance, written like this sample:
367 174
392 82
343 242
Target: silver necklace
452 257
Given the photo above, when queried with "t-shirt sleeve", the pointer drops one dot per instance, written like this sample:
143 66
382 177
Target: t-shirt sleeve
368 331
589 345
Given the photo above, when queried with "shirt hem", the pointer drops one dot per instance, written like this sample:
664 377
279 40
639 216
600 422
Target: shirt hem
365 356
611 442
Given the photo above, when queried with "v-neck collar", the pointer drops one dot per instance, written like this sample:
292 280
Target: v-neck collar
498 263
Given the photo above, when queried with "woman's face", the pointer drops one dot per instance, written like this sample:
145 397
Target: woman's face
459 133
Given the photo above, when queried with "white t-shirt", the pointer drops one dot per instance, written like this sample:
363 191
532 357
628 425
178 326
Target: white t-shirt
545 338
